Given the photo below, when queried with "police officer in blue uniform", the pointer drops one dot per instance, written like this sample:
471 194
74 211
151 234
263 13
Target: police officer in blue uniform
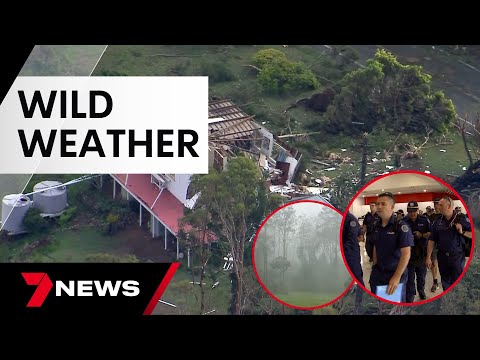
351 235
392 242
449 233
433 216
369 221
420 226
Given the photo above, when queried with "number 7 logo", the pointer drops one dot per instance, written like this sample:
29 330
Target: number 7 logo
44 286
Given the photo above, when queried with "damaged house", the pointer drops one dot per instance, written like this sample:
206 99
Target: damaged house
162 198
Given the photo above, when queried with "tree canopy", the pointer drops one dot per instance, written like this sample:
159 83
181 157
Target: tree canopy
388 92
236 201
278 75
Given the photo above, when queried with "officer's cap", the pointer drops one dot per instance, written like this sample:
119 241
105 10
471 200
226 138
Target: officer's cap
400 211
412 206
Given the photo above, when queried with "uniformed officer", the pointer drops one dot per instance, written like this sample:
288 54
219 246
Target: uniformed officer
449 233
392 243
400 214
420 226
351 235
368 225
435 272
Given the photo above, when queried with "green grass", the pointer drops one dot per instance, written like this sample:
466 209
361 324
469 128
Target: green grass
72 60
306 299
168 60
450 162
12 184
75 246
187 296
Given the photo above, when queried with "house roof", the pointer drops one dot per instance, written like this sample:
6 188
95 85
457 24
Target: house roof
235 124
167 207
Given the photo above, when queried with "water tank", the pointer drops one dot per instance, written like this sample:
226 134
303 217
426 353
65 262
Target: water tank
51 200
14 208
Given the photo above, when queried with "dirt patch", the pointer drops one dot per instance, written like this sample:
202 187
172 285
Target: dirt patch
138 241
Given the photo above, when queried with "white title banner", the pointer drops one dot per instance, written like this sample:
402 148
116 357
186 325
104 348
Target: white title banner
68 125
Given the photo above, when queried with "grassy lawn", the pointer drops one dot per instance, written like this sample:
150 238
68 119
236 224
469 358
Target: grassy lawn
306 299
76 245
450 162
65 246
241 86
186 296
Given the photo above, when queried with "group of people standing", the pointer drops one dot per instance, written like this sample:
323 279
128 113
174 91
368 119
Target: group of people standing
402 248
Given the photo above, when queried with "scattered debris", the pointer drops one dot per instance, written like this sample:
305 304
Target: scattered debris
427 172
330 169
464 168
228 262
343 150
442 150
167 303
333 156
320 162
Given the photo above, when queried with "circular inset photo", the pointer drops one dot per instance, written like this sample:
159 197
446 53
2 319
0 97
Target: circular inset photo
407 238
297 256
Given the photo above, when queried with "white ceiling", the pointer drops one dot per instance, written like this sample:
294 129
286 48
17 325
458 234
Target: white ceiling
405 184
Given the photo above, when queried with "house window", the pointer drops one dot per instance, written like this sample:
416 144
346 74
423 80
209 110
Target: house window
266 143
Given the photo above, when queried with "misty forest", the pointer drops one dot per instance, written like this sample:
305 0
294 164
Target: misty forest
298 257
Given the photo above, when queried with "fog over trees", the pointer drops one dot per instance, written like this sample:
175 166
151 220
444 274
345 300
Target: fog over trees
298 256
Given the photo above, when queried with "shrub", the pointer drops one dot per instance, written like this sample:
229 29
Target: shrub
267 57
34 223
67 215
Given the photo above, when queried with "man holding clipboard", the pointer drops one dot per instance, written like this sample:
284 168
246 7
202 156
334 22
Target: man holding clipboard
392 242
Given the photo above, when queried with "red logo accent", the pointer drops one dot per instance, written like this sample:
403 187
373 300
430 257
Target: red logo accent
44 286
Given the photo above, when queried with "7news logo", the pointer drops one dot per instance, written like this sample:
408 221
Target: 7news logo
130 288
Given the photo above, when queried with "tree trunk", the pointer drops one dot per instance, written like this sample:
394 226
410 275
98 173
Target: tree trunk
202 289
239 296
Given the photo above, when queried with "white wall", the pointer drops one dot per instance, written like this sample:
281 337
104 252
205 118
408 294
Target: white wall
179 187
358 209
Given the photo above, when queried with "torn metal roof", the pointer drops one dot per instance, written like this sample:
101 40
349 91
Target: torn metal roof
235 124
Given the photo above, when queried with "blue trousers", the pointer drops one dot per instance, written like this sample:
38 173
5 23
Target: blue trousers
451 267
421 272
